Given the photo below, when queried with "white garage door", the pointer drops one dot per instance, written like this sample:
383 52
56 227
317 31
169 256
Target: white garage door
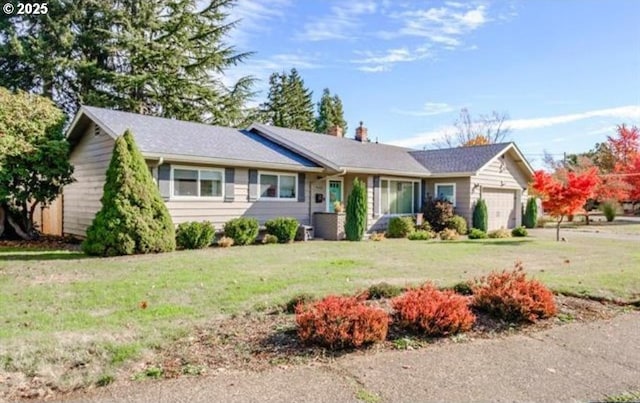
501 207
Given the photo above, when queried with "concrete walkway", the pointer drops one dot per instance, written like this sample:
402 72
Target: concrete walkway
575 362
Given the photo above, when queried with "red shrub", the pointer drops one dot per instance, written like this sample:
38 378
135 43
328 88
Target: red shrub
511 296
432 311
339 322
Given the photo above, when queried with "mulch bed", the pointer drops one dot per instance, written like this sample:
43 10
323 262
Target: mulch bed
260 341
43 242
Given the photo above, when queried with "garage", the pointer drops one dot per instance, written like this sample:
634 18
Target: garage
501 207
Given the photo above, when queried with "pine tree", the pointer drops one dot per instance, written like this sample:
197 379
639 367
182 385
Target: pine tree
133 218
530 213
162 57
480 217
356 219
330 113
289 102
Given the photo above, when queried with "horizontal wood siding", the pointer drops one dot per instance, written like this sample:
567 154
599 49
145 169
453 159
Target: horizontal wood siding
219 212
90 159
463 194
502 176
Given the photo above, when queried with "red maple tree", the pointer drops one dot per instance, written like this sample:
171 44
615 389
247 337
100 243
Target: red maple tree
564 197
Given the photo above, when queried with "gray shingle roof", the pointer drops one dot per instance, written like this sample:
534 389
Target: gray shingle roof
458 160
348 153
168 136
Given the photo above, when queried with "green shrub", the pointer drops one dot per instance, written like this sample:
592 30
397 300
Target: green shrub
383 290
284 228
400 227
420 235
530 217
356 219
242 230
520 231
457 223
480 216
298 299
225 242
133 218
609 209
463 288
499 233
437 212
268 239
475 233
425 226
194 235
448 234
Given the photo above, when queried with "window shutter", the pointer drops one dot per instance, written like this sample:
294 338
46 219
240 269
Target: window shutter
253 184
376 196
164 181
301 190
229 184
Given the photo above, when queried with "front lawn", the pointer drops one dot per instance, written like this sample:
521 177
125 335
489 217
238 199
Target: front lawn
59 306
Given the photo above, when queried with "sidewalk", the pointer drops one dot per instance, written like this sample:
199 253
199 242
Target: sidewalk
575 362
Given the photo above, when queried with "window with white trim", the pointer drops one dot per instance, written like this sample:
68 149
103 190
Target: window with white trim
189 182
397 196
446 191
278 186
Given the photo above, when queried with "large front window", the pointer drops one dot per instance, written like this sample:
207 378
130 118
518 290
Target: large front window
397 197
278 186
197 182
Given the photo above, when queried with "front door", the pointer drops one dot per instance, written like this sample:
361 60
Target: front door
335 194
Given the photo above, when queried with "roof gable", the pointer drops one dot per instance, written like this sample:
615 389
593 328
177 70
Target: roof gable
180 139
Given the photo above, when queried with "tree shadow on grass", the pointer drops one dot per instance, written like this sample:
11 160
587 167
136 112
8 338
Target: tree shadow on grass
25 256
499 242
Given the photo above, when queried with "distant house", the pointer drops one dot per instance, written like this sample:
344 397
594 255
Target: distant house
215 173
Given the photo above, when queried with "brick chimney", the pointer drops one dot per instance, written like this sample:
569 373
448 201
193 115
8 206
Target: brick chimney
361 134
335 130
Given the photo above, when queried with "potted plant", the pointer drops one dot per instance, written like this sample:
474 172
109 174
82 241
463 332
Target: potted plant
338 207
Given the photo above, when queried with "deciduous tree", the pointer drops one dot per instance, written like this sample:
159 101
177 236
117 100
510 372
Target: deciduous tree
487 129
34 163
566 197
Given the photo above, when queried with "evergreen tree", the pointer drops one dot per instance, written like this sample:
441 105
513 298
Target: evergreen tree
531 213
480 219
330 113
133 218
356 219
289 102
161 57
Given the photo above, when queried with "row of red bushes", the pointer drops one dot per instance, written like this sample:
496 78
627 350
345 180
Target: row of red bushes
340 322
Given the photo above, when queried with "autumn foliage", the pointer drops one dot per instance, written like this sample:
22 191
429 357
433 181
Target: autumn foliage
341 322
509 295
433 312
566 197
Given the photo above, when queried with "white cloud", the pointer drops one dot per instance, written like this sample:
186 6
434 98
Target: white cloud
383 61
253 17
622 113
429 109
341 23
444 25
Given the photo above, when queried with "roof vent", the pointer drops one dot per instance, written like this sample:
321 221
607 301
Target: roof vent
96 130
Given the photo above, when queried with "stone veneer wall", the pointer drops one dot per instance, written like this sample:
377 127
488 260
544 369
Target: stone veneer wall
329 226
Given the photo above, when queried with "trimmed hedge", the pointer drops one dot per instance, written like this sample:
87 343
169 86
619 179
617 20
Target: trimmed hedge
400 227
284 228
242 230
194 235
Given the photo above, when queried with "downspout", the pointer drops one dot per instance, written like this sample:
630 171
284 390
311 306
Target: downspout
160 162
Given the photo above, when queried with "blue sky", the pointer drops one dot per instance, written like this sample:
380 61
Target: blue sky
566 72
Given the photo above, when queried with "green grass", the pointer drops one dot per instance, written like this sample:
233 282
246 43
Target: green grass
625 397
53 299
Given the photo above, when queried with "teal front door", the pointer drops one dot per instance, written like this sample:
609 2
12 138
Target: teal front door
335 194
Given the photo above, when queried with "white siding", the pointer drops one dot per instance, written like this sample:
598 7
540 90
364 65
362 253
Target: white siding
90 159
